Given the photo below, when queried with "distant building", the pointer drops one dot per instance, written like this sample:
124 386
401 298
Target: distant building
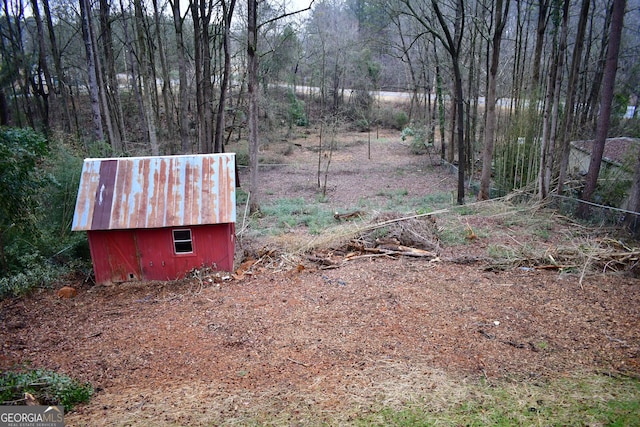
618 153
157 218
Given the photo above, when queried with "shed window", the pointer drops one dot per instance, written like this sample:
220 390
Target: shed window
182 243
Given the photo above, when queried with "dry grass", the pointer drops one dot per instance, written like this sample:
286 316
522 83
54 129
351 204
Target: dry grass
517 235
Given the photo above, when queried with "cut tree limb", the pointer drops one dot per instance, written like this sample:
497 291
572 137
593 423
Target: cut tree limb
391 249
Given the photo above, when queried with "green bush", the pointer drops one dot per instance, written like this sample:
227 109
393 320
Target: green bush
37 273
419 139
401 119
48 387
296 111
390 117
38 186
291 213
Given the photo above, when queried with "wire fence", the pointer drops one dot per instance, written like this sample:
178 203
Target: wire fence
598 214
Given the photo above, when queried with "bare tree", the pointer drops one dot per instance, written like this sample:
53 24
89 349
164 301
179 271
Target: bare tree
167 96
227 14
85 10
569 109
15 60
201 12
42 82
252 88
551 106
148 84
608 82
183 120
57 63
109 87
500 19
594 67
451 39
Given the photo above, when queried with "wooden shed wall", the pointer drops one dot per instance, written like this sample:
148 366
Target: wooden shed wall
148 254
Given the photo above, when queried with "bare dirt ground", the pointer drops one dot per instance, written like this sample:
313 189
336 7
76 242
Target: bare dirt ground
299 344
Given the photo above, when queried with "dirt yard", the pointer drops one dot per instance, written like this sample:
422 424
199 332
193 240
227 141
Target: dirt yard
299 343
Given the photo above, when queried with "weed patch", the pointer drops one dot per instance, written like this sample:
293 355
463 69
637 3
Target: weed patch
48 387
286 214
585 400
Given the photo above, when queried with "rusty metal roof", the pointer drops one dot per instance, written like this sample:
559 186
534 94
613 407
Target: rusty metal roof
616 150
153 192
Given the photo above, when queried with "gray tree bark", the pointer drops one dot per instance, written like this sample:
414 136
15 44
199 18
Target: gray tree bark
85 12
500 18
608 83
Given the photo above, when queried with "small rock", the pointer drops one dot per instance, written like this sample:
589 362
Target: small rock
67 292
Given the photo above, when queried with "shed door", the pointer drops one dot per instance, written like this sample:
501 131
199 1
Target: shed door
115 256
123 256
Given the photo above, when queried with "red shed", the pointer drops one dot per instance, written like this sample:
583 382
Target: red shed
157 218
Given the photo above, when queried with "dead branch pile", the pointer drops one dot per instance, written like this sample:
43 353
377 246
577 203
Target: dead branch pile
583 255
388 234
583 250
397 230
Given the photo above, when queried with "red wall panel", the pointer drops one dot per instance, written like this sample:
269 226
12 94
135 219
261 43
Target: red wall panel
148 254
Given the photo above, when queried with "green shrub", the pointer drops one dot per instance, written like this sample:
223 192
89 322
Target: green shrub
297 114
48 387
38 186
37 273
401 119
242 156
291 213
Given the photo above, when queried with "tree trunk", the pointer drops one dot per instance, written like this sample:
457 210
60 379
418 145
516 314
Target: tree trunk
550 122
608 83
110 94
444 155
43 69
183 96
252 86
147 83
591 104
453 46
167 96
57 63
85 12
201 17
500 18
18 67
227 12
543 17
207 85
134 75
569 109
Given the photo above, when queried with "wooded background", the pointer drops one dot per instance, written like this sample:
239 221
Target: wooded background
500 86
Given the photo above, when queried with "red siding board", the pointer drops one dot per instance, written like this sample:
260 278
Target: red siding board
114 255
148 254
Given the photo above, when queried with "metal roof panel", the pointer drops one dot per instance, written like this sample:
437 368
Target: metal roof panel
153 192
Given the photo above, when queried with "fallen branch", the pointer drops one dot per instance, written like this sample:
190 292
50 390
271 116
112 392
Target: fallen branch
375 255
348 215
297 362
553 267
391 249
322 261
